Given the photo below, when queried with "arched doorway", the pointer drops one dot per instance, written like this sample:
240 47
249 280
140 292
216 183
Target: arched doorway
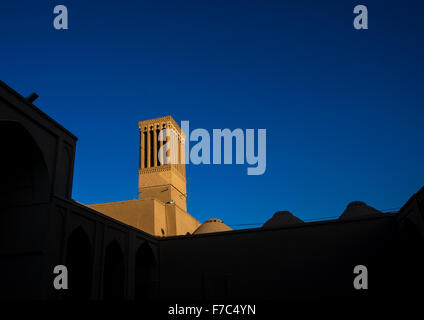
145 273
79 263
24 203
23 171
114 272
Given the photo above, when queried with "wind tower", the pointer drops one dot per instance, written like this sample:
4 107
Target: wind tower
162 162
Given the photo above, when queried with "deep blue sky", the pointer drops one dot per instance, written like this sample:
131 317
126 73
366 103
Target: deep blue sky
343 108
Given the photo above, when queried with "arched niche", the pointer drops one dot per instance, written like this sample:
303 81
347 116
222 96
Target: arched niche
114 272
79 263
145 273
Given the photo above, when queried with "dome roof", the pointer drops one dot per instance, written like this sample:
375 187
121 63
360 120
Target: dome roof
358 209
212 225
282 218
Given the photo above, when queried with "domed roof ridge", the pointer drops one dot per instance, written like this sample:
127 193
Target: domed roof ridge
212 225
282 218
358 209
356 204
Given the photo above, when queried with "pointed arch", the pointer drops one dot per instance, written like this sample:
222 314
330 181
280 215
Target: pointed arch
114 272
145 273
23 169
80 264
